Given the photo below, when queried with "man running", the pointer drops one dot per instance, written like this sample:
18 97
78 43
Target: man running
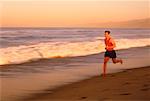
110 52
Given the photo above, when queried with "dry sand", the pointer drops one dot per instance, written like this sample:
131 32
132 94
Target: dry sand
129 85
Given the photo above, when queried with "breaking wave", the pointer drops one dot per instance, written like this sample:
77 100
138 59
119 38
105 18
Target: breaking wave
25 53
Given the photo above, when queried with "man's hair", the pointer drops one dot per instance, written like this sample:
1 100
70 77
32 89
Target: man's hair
107 32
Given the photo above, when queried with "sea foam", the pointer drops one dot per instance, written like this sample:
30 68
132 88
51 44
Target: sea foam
25 53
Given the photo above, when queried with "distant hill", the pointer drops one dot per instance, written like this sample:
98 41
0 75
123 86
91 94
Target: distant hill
139 23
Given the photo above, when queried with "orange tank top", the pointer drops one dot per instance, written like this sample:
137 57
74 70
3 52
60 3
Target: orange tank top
109 43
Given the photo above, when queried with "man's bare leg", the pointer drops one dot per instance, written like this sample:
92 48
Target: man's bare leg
117 60
106 59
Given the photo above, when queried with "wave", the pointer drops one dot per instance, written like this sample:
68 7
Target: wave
25 53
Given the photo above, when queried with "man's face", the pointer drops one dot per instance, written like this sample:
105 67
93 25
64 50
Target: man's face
106 34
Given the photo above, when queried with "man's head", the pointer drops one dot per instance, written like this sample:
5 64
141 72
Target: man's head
107 33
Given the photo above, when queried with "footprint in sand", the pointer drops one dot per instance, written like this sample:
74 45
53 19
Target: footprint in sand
145 85
126 83
125 94
112 75
145 89
83 97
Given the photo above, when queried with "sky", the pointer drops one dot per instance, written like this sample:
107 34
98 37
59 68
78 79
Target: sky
70 13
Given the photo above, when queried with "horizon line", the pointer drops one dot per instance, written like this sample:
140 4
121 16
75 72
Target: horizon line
46 27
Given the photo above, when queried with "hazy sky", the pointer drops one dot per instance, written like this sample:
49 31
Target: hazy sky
62 13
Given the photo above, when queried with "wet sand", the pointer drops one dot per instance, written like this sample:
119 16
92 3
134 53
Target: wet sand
128 85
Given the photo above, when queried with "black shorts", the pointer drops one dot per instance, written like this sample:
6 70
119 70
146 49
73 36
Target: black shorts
111 54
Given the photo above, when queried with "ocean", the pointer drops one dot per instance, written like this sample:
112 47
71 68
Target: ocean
35 59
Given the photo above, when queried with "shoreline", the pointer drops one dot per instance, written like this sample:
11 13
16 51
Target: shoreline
130 84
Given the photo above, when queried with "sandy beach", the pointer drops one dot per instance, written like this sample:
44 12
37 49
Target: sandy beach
128 85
